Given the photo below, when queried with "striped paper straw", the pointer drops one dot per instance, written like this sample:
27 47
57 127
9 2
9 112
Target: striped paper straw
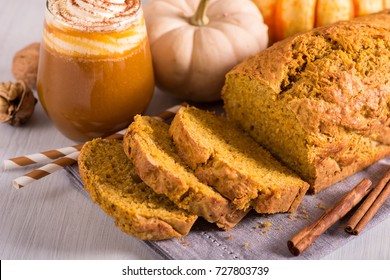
48 156
45 170
42 157
72 158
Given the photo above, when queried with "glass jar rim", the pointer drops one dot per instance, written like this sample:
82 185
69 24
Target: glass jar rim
116 26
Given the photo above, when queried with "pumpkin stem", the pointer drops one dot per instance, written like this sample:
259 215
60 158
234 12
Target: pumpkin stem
200 18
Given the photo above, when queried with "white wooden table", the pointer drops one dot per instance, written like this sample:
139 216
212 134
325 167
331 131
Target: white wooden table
50 219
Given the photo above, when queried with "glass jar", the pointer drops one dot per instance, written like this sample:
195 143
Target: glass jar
95 70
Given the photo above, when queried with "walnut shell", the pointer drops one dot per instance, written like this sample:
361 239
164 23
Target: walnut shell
25 65
17 103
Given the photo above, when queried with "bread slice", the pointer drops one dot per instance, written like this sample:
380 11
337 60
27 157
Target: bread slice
110 178
223 156
319 101
148 144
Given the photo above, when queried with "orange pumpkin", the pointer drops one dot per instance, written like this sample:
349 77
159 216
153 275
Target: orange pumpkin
287 17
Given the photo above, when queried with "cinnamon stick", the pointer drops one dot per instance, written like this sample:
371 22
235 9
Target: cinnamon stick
370 206
302 240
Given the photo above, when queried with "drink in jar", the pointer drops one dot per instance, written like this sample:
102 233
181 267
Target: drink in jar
95 69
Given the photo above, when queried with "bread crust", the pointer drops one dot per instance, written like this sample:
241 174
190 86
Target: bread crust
198 143
112 199
174 180
330 87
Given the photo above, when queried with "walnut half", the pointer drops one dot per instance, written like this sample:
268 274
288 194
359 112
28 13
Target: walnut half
17 103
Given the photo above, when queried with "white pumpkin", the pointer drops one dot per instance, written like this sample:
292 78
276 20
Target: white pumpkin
194 43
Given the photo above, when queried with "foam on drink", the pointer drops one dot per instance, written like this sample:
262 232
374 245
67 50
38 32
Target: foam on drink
98 28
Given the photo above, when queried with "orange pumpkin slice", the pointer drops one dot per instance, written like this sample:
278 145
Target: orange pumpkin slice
268 9
294 16
365 7
330 11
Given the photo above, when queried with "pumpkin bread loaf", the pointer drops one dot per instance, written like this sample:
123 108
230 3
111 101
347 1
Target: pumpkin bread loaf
223 156
319 101
148 144
110 178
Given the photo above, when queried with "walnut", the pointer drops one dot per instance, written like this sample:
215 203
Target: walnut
17 103
25 65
